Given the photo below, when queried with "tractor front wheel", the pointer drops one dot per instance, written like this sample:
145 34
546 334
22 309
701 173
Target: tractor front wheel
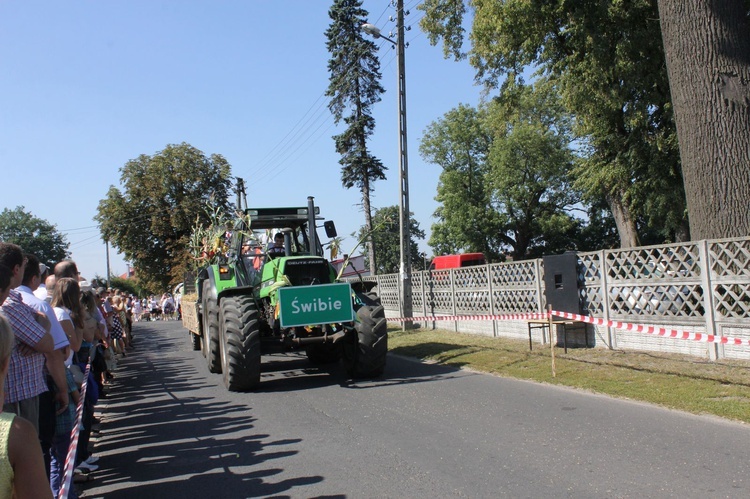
365 352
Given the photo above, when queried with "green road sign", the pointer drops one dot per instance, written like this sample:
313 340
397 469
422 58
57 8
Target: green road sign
309 305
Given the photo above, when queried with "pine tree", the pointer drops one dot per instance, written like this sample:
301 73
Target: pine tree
353 89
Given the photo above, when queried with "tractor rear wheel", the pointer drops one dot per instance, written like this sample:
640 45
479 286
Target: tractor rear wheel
240 343
211 330
365 352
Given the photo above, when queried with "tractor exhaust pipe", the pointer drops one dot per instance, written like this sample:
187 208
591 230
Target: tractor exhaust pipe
311 226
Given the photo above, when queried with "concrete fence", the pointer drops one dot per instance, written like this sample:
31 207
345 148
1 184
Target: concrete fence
700 286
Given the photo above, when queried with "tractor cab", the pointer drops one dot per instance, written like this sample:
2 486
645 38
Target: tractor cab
299 257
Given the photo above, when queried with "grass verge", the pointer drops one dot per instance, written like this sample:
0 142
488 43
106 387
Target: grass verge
670 380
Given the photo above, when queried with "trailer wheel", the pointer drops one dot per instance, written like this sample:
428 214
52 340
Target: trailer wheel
240 343
211 338
365 352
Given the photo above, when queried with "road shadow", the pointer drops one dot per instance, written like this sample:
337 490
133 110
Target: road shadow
292 371
165 433
168 430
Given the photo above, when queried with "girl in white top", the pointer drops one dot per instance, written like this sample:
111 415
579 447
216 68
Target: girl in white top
66 300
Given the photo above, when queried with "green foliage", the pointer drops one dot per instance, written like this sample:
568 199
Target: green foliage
129 286
208 241
530 160
460 144
606 59
151 219
386 234
444 20
353 89
599 231
505 182
33 235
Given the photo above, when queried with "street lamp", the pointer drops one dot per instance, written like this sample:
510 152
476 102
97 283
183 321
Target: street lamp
403 171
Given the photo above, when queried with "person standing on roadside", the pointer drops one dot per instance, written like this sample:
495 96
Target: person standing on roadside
53 400
41 290
137 309
106 313
118 325
98 338
21 465
66 268
5 275
66 302
25 380
49 285
71 314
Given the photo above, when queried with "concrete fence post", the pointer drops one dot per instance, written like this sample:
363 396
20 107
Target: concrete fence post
491 299
714 351
604 290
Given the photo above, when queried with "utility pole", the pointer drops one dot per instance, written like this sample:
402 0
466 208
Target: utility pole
403 172
404 270
106 245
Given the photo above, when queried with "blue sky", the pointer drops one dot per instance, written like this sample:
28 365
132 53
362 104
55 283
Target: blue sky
87 85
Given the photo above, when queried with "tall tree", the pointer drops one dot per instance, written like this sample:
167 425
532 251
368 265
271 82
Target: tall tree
459 143
707 45
354 88
607 60
33 235
150 220
530 162
387 239
506 176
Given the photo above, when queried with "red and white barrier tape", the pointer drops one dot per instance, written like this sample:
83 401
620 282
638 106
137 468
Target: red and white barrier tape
668 333
506 317
70 459
659 331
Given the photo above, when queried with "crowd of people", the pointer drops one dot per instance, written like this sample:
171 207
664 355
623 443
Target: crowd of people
154 309
52 325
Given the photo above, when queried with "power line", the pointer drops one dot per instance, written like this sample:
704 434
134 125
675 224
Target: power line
87 240
302 129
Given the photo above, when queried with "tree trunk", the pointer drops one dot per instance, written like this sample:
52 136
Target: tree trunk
624 220
368 224
707 48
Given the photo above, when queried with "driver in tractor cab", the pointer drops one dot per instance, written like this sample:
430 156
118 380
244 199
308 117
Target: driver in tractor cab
277 247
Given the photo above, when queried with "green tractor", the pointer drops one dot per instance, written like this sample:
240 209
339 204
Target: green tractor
287 296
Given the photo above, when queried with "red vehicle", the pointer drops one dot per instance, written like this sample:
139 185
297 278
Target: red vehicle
457 261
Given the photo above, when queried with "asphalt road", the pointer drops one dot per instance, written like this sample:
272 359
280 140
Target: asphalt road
170 429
